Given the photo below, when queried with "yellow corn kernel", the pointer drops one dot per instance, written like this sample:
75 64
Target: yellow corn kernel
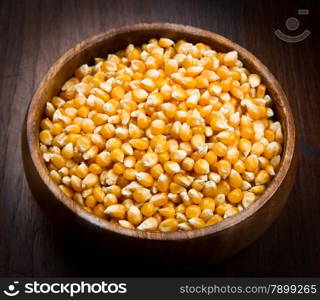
178 93
195 196
163 183
257 148
117 93
269 135
178 155
155 99
167 212
134 215
76 183
139 95
130 174
113 143
150 159
67 151
183 180
230 212
149 224
55 176
116 211
91 153
222 208
239 166
235 179
98 193
148 209
122 133
185 132
272 150
262 177
58 161
82 170
57 128
254 80
198 184
108 131
201 166
248 198
223 168
165 42
173 145
98 140
209 189
226 137
145 179
206 214
258 189
139 167
126 224
251 163
117 155
141 195
187 164
90 201
159 199
89 181
103 159
83 144
171 167
219 149
110 199
245 146
211 158
198 141
275 161
156 171
169 109
214 220
232 155
118 168
186 147
235 196
168 225
98 210
184 226
261 89
223 188
133 54
208 203
130 161
95 169
87 125
45 137
196 223
192 211
139 144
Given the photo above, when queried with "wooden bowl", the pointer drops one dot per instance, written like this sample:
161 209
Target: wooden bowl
206 245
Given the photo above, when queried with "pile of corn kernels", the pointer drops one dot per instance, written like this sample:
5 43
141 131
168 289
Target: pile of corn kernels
163 137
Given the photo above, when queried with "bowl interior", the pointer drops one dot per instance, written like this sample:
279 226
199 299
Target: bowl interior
116 39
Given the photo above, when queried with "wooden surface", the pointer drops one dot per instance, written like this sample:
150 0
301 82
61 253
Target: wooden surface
34 34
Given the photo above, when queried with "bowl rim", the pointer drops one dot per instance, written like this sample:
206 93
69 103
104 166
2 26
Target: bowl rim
270 81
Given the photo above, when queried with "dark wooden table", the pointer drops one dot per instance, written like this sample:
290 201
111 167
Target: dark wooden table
33 34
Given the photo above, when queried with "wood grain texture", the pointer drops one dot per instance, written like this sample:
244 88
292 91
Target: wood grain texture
35 34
